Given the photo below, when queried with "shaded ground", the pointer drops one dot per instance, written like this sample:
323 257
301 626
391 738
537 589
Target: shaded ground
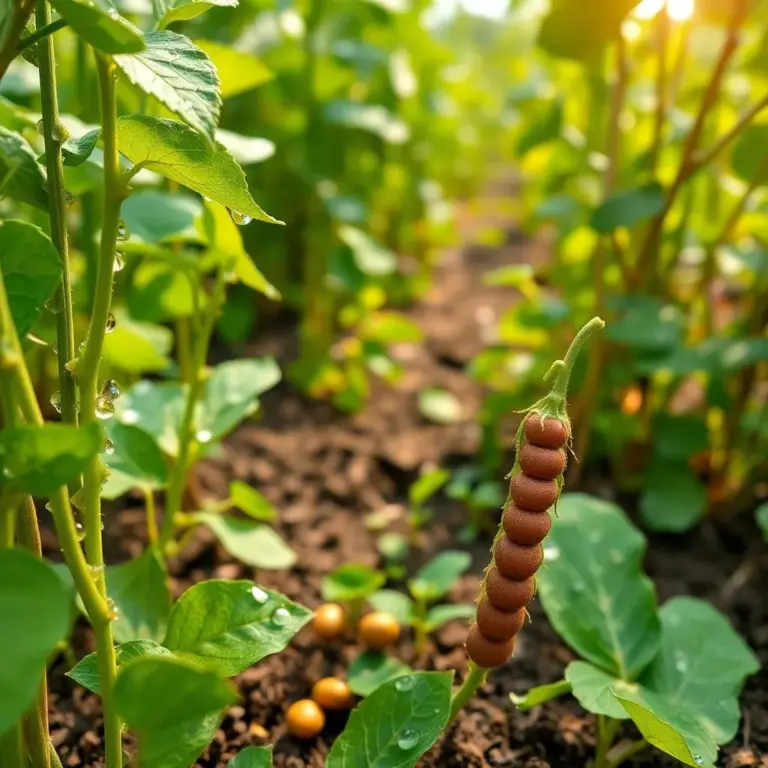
325 471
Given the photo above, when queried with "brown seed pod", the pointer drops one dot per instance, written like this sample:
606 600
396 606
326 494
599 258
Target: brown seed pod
534 495
304 719
498 625
486 653
516 562
328 622
508 594
332 693
545 433
378 630
542 463
526 528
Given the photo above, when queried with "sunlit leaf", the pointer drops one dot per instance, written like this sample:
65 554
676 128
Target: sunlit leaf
239 72
169 11
372 669
99 24
351 582
434 580
21 175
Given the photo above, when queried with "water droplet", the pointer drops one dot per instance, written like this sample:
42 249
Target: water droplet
259 595
130 416
110 391
110 323
104 408
119 262
56 401
41 127
280 617
698 760
122 232
7 472
408 739
241 219
109 447
203 436
53 304
405 683
80 531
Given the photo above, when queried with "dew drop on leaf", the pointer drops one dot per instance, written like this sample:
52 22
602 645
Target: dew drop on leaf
406 683
259 595
122 232
110 323
241 219
119 262
409 738
80 531
109 447
56 401
110 391
104 408
280 617
698 760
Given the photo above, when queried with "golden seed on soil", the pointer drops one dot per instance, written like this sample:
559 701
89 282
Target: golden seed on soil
378 630
533 495
258 731
332 693
508 594
304 719
497 625
328 622
542 463
526 528
546 433
486 653
517 562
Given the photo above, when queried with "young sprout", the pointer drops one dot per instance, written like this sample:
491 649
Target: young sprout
479 495
304 719
350 585
418 494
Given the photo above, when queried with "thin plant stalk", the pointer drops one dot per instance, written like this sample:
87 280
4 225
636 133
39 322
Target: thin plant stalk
474 679
41 33
660 114
20 13
626 753
607 727
149 502
54 135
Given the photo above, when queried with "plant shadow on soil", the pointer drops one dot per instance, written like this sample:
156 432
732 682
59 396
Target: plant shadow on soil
325 470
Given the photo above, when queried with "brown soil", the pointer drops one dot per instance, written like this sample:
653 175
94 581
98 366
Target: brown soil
325 471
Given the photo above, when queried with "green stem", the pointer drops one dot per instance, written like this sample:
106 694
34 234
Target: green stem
472 682
12 747
46 30
149 502
562 369
187 439
662 50
54 136
606 732
8 510
419 624
625 754
13 29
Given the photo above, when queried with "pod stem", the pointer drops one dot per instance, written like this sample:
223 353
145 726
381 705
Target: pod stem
472 682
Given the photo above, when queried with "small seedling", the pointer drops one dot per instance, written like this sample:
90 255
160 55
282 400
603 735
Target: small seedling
481 496
418 495
350 585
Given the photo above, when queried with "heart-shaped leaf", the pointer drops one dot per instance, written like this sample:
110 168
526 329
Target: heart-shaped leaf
417 708
31 268
393 602
433 580
442 614
250 501
253 757
628 208
592 687
100 25
180 76
372 669
229 625
252 543
673 498
86 671
21 175
230 395
141 597
593 589
136 461
178 152
427 485
169 11
239 72
36 602
39 460
351 582
173 706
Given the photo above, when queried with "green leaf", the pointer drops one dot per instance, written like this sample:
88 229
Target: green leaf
76 151
750 153
543 128
137 461
250 501
231 394
394 602
31 269
86 671
427 486
155 217
229 625
761 515
142 601
156 408
252 543
628 208
373 118
389 328
35 603
100 25
21 176
540 695
372 669
169 11
351 582
253 757
137 347
180 76
669 730
593 589
679 437
673 498
239 71
701 665
440 406
39 460
173 706
592 688
436 578
417 708
247 150
645 323
442 614
370 256
177 152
